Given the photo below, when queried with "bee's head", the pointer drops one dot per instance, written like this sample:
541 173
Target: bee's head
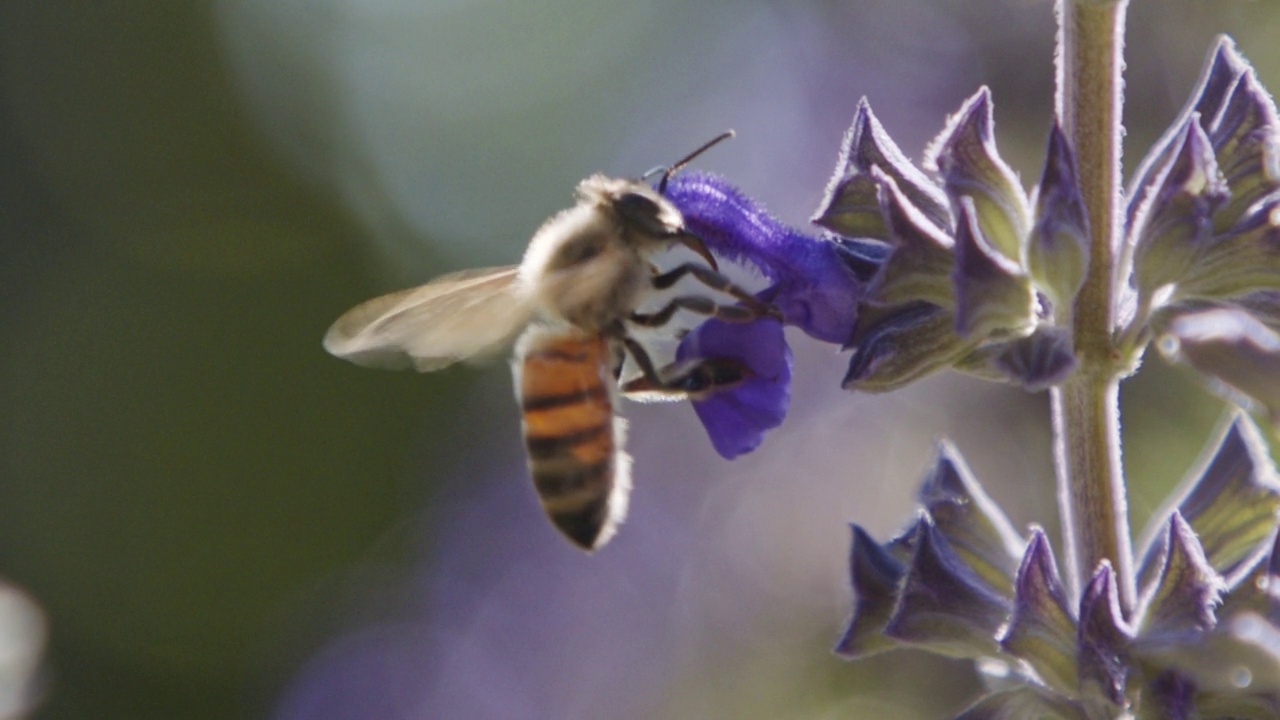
644 214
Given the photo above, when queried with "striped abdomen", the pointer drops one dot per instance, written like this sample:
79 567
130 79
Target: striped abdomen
564 381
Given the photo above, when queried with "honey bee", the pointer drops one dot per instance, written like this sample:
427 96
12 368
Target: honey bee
573 301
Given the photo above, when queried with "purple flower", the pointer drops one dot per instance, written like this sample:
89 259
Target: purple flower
737 419
816 283
817 280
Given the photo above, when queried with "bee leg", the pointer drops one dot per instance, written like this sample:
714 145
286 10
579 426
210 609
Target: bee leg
696 304
637 352
695 377
714 280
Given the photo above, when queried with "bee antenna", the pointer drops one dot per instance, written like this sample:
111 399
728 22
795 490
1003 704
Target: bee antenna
666 175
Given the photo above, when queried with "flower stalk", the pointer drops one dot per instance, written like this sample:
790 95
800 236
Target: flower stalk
1085 408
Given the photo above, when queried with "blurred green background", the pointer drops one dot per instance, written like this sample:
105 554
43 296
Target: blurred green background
204 503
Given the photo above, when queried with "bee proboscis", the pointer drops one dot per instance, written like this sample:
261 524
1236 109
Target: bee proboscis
573 301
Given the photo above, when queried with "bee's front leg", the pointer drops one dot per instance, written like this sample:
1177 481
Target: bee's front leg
701 305
716 281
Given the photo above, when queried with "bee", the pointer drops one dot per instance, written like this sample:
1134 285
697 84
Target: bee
573 302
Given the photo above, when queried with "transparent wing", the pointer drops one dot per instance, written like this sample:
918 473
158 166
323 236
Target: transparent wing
456 316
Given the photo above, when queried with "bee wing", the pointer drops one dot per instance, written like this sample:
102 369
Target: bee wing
453 317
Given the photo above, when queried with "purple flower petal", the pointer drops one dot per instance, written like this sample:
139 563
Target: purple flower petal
814 285
737 418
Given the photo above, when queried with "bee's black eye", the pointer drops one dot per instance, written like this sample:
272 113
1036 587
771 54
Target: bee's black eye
646 215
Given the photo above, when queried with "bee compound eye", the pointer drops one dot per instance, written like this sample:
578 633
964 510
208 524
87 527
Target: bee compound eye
647 215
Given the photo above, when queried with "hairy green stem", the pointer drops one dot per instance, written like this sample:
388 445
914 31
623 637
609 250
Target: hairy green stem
1086 424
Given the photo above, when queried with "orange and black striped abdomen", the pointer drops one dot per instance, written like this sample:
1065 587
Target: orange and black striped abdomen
564 382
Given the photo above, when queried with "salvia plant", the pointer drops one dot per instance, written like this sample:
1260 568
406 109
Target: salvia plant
1064 288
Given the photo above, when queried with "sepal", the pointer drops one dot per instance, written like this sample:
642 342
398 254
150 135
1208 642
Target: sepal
1038 361
1176 227
1180 604
1023 703
1042 631
964 155
898 345
1241 261
1230 501
993 295
1235 352
919 265
943 605
1220 73
875 575
1103 646
850 205
974 526
1058 246
1256 589
1244 136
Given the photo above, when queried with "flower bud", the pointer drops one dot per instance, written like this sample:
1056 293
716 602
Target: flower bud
1230 501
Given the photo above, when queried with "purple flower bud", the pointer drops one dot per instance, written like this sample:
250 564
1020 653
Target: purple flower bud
965 155
1042 631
